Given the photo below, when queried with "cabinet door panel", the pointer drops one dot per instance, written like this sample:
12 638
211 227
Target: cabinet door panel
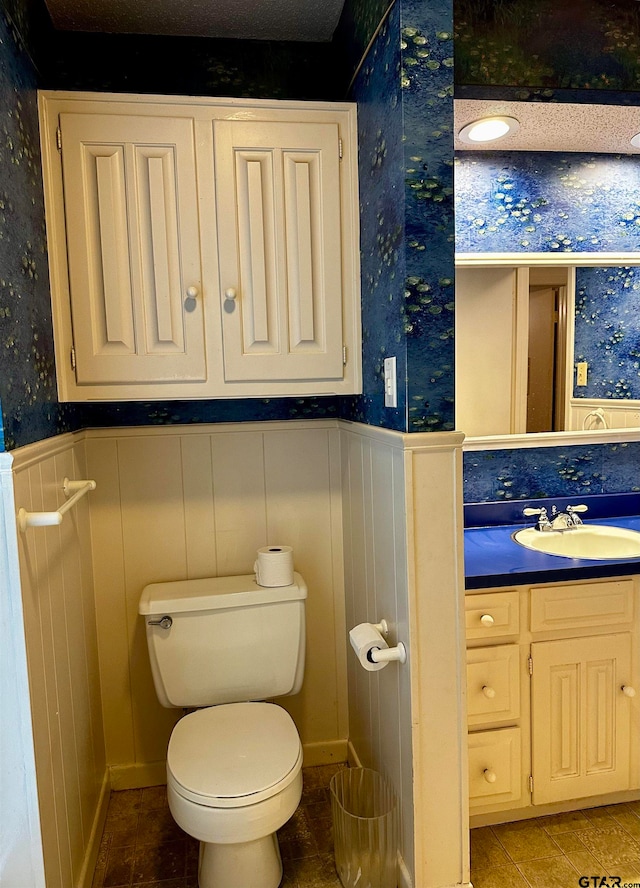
258 258
158 243
278 200
581 719
109 293
133 248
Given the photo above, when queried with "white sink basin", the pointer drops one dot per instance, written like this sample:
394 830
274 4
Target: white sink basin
590 541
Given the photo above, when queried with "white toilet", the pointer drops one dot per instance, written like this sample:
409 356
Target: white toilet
234 769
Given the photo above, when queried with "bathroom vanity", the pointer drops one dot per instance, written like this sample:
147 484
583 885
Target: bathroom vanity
552 674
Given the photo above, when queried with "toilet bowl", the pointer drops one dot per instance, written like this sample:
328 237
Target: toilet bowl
234 777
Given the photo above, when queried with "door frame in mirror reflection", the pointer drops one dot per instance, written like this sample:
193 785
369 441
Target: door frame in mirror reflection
495 346
502 385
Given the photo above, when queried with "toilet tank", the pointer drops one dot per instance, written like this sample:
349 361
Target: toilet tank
226 639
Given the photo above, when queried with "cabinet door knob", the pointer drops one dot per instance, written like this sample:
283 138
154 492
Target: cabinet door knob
489 775
190 303
487 620
488 692
628 691
230 293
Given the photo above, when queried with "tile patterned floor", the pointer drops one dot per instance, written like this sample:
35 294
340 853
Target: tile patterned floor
143 847
555 851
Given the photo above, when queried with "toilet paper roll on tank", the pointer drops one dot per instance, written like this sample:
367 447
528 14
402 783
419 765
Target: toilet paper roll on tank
274 566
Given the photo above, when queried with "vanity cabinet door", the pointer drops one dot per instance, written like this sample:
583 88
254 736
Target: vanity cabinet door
130 199
581 717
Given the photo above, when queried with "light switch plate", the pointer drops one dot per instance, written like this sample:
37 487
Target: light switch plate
581 373
390 383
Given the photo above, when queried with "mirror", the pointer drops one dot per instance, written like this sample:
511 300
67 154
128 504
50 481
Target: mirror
512 342
547 348
548 340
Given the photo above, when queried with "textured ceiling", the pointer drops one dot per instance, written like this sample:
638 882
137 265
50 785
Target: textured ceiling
554 127
304 20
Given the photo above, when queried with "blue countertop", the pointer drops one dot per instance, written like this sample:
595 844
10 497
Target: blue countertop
493 558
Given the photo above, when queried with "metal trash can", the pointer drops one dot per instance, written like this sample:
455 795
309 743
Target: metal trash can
365 828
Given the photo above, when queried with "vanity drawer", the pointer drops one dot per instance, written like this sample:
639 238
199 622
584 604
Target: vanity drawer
495 769
493 684
581 605
492 615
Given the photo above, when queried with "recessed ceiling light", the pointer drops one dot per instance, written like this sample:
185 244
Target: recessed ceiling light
488 129
635 141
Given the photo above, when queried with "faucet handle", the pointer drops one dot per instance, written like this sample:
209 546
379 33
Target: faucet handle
529 512
581 508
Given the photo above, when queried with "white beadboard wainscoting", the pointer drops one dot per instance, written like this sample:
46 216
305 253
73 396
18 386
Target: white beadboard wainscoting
62 654
179 502
376 589
374 520
594 414
402 499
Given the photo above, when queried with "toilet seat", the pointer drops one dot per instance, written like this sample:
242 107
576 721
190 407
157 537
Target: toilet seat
234 754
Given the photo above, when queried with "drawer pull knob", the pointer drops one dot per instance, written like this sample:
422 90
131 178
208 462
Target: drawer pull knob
628 691
487 620
489 775
488 692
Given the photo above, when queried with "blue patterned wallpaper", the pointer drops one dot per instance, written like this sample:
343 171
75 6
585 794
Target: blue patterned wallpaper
558 203
191 66
607 331
498 475
427 83
576 44
30 410
404 93
377 90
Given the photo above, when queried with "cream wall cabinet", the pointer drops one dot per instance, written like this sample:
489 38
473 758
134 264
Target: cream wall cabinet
201 247
552 715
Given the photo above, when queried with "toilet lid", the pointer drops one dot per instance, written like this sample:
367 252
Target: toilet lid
233 754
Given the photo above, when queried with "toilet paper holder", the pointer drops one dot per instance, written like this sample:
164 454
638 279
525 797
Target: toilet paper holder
383 655
386 655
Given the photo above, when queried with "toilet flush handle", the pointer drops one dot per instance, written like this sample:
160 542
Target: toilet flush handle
165 622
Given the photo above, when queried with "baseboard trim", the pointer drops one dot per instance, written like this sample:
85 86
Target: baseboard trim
328 752
404 876
138 776
85 879
352 757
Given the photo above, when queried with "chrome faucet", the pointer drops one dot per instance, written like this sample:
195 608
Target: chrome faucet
559 520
